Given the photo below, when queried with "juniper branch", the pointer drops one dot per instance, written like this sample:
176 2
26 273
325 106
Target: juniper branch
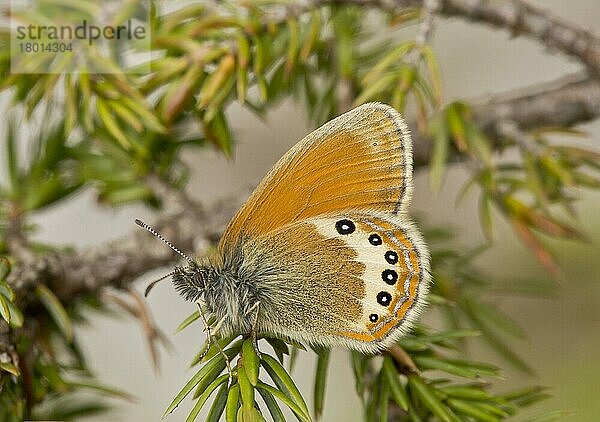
517 16
564 102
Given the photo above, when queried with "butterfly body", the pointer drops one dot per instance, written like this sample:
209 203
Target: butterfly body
324 251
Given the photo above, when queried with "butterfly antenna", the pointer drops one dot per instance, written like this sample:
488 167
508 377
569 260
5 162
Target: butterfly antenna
169 244
151 285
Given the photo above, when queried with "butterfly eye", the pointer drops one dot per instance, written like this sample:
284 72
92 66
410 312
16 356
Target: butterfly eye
345 226
390 277
391 257
375 239
373 317
384 298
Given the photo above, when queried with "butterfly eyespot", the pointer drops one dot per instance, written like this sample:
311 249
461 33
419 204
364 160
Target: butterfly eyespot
345 226
389 276
375 239
384 298
373 317
391 257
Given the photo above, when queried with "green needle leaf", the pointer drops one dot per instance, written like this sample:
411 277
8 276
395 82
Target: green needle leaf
104 389
490 335
439 155
56 311
272 405
497 318
321 381
557 415
249 414
4 268
204 397
246 389
190 319
214 350
429 398
12 159
251 361
526 396
280 348
392 378
359 366
233 403
4 309
373 400
16 317
10 368
384 399
471 410
206 371
469 392
284 381
300 413
455 367
448 335
218 406
111 124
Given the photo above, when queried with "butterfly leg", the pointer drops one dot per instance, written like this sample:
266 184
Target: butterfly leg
253 332
210 333
207 329
218 325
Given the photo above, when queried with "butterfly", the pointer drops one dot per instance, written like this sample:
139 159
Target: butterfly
323 251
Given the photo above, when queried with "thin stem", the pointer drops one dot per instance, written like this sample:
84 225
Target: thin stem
402 360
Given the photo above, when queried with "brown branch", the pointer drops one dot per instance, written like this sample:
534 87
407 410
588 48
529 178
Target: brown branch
117 264
565 102
402 360
521 18
517 16
425 30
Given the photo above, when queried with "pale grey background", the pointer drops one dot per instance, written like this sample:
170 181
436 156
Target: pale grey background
564 333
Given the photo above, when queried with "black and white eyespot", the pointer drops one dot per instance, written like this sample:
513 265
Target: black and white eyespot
375 239
345 226
389 276
384 298
373 317
391 257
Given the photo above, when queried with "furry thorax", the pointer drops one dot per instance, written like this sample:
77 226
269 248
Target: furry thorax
229 295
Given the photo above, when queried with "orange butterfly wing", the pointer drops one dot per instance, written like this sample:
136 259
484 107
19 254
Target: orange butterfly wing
359 167
359 161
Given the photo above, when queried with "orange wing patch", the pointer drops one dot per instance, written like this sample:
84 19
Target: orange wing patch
359 162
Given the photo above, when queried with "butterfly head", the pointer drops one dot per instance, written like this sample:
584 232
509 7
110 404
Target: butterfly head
190 281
